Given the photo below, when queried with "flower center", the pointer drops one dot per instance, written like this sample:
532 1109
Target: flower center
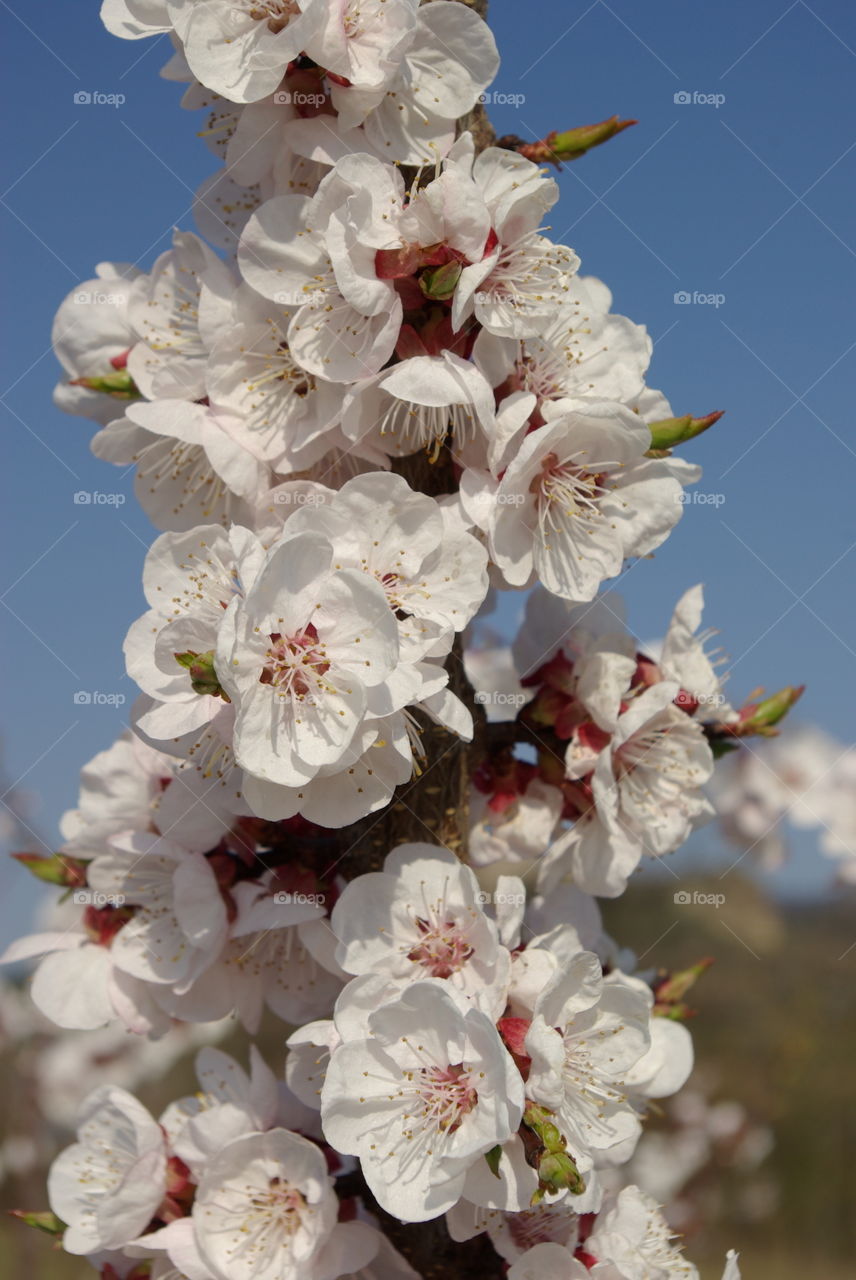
641 748
443 948
422 426
564 491
447 1095
551 1223
529 272
296 664
542 375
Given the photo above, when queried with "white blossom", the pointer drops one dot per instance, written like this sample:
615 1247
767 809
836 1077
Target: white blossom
422 917
265 1210
437 1091
107 1186
193 464
177 309
92 337
584 1038
580 497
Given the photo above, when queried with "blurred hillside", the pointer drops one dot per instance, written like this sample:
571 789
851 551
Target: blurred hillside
776 1032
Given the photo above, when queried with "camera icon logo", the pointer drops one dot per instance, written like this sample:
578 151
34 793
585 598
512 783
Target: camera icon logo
82 498
682 98
82 698
683 898
82 98
682 298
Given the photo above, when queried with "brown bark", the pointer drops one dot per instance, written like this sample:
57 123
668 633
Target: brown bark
433 806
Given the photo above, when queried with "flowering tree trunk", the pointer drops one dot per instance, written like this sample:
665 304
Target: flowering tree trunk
436 803
383 397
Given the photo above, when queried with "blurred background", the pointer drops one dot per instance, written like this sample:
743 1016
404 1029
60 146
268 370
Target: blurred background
723 221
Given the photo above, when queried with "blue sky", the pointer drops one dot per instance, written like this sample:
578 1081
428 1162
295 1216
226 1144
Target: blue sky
740 188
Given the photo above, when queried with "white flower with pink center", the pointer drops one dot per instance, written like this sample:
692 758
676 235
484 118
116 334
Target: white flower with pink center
265 1209
585 1036
513 1234
434 574
583 351
422 917
189 579
646 791
578 498
423 1098
522 279
306 657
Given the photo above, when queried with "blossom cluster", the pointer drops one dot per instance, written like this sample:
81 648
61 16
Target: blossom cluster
622 738
236 1181
471 1073
366 323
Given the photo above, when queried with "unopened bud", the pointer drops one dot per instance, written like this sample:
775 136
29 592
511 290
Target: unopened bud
203 677
440 283
120 385
546 1152
670 432
55 869
762 717
570 144
558 1172
493 1158
42 1221
670 989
